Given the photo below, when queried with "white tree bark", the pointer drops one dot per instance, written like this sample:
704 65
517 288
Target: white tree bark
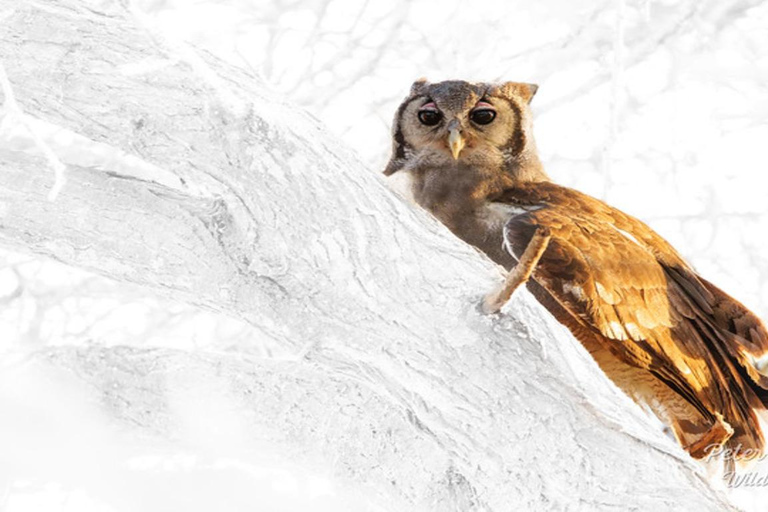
184 175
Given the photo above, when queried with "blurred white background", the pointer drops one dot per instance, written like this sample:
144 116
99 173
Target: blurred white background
658 106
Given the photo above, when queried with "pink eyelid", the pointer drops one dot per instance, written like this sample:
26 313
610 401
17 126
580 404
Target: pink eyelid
483 104
429 106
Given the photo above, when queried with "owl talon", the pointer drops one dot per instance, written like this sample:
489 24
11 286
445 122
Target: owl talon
491 304
494 301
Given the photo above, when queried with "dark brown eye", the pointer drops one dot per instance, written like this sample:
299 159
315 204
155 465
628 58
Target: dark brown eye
483 116
430 117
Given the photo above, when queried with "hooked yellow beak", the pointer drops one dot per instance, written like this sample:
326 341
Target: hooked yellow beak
455 142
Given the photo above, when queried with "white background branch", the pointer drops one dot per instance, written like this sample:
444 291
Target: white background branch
13 114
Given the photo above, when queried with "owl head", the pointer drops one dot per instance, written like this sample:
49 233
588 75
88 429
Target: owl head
457 124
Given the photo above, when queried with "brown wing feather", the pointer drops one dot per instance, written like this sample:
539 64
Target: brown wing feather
618 278
743 334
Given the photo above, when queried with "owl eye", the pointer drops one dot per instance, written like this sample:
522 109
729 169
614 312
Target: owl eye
482 115
430 117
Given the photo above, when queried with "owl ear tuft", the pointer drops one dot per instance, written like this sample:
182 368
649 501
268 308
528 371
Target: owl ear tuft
521 90
532 89
418 86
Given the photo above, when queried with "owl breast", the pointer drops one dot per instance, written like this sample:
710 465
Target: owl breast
458 196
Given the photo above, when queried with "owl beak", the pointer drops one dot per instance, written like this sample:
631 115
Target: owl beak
455 142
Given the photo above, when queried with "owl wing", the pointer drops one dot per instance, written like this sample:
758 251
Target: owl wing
743 334
647 306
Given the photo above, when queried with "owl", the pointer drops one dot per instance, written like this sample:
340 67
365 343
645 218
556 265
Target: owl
666 336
